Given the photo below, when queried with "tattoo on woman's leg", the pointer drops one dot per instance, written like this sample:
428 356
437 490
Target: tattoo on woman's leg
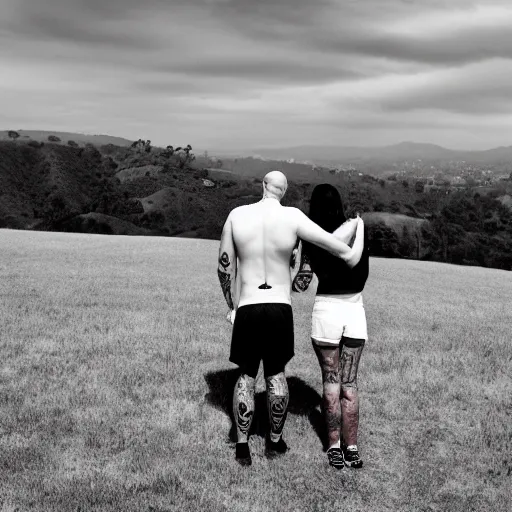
331 376
349 363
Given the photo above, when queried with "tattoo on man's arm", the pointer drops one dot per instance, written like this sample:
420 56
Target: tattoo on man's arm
224 260
225 283
304 276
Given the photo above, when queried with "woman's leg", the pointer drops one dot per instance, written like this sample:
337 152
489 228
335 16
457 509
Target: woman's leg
349 363
329 363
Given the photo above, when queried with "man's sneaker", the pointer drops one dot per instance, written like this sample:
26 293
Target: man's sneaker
335 456
243 455
352 459
273 450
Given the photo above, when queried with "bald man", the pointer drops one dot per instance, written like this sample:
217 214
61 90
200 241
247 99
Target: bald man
256 245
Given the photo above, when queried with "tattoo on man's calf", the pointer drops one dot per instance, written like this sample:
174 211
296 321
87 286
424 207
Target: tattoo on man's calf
244 418
277 409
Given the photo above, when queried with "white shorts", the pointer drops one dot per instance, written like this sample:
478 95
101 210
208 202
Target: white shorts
337 317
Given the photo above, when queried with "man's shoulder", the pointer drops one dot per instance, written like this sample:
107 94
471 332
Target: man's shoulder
294 213
292 210
239 210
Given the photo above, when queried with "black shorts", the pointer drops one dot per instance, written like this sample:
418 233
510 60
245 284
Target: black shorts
262 332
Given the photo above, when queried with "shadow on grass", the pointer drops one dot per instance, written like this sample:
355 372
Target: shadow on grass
304 401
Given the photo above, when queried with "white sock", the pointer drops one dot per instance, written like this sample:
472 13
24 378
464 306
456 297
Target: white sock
335 445
352 447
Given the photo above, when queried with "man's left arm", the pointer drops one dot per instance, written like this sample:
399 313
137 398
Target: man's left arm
227 264
304 276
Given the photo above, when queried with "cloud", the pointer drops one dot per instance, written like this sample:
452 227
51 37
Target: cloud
259 71
472 89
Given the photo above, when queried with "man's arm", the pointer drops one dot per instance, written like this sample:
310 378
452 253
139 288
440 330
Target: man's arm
346 233
311 232
304 276
227 263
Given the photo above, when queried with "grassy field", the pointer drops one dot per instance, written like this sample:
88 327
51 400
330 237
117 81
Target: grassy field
115 386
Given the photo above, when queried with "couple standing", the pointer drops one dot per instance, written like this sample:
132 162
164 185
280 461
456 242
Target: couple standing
262 239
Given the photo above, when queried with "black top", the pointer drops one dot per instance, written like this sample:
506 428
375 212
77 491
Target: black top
334 275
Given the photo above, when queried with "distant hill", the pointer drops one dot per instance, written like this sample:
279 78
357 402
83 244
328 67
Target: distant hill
121 190
80 138
394 153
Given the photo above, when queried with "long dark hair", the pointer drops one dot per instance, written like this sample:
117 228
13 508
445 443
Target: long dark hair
326 208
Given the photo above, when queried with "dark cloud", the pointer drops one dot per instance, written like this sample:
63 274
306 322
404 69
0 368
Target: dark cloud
267 70
114 23
317 65
47 27
476 90
453 49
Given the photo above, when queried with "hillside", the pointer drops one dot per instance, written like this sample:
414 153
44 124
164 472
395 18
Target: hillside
80 138
129 190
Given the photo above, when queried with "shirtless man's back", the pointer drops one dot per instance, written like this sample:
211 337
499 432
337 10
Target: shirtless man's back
260 238
264 235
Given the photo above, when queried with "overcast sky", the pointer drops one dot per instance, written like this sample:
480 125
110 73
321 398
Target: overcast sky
260 73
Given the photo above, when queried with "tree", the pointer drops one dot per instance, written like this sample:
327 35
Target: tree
53 138
419 187
72 143
183 155
141 145
13 134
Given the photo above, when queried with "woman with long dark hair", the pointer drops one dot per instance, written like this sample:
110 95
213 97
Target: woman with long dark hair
338 326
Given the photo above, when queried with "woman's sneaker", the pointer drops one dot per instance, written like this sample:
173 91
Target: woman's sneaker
352 459
335 456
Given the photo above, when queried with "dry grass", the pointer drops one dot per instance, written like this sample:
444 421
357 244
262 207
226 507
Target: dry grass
115 386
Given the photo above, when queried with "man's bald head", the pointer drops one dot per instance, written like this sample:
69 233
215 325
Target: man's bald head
275 185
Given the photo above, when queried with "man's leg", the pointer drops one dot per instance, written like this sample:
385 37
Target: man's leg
243 411
278 349
243 406
328 357
349 363
277 401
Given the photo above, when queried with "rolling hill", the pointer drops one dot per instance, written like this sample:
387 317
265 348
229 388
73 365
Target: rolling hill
120 190
393 153
80 138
